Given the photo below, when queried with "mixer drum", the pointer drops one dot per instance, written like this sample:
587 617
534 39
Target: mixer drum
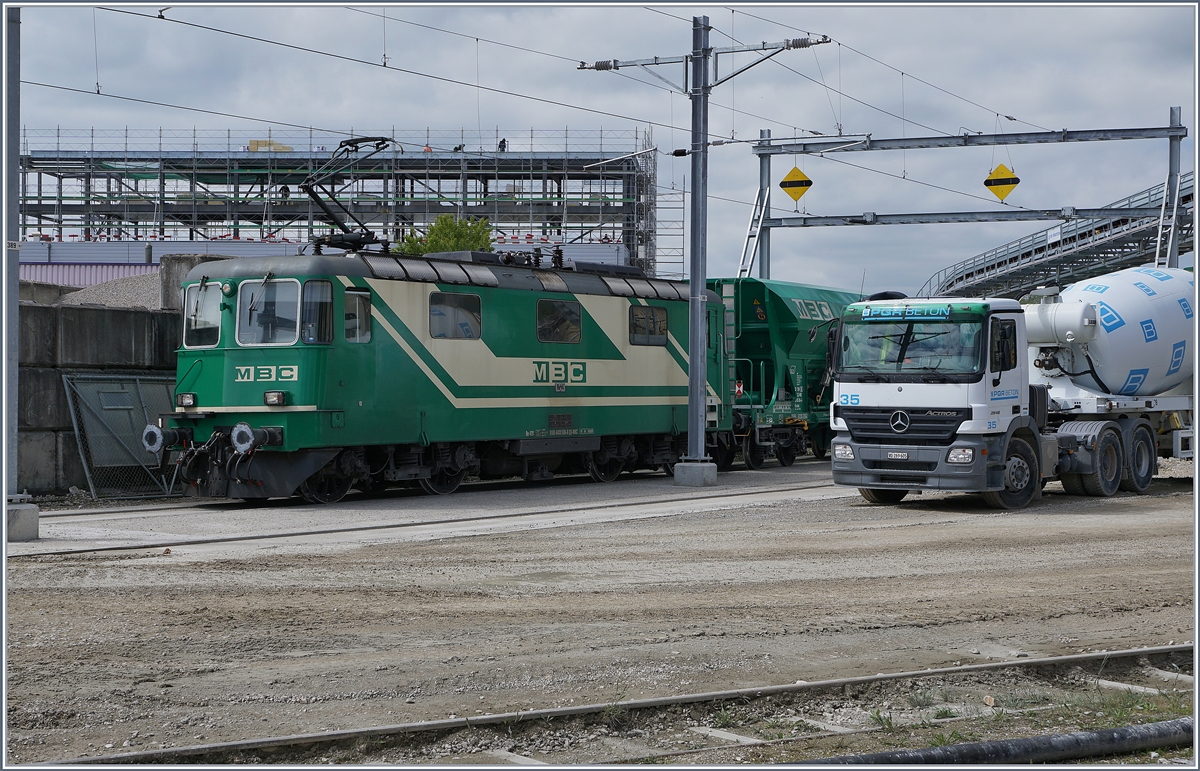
1142 342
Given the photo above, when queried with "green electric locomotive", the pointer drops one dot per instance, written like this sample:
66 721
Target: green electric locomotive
315 374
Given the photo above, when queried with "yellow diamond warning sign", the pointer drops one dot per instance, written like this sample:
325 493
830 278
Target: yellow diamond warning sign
1001 181
795 183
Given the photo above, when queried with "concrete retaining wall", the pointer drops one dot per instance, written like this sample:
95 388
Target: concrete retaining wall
58 340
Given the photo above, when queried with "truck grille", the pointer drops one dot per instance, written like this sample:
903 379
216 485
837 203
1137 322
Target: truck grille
927 427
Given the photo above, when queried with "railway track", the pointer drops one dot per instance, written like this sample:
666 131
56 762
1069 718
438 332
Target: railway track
648 506
789 722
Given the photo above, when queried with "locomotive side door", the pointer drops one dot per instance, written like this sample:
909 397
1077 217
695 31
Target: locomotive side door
354 390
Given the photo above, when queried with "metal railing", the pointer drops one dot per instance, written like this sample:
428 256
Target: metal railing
1053 244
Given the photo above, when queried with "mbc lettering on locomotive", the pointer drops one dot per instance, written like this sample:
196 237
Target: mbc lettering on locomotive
559 372
266 373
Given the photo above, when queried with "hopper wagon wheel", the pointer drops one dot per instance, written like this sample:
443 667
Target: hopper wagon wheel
325 488
818 443
753 453
443 482
786 455
726 452
604 472
669 469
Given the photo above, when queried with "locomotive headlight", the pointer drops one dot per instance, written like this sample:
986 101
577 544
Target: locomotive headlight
275 398
843 452
961 455
227 289
185 400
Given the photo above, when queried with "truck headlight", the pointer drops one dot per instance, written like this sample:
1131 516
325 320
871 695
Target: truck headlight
185 400
843 452
961 455
274 398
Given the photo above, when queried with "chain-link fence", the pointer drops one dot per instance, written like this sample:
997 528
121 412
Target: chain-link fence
109 413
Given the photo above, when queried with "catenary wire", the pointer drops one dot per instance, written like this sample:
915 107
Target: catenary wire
909 74
181 107
417 73
811 79
559 57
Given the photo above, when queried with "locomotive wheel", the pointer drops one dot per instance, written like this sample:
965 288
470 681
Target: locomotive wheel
1020 478
1105 480
725 454
786 455
325 489
1141 461
442 482
752 453
376 484
604 472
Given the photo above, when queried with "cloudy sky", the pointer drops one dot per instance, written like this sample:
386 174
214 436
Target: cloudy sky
1074 67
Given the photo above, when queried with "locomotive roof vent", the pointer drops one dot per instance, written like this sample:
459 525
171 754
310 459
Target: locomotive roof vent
488 258
605 269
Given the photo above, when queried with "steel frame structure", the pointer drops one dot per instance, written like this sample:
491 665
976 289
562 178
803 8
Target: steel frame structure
564 186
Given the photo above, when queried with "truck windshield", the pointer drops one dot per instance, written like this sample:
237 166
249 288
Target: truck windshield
950 347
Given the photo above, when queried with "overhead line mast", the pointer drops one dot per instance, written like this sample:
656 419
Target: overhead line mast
697 470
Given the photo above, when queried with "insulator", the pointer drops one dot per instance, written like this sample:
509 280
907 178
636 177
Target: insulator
607 65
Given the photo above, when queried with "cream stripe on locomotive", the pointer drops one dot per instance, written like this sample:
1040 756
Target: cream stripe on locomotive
472 363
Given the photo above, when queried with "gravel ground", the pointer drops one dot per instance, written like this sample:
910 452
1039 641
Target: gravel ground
141 291
148 649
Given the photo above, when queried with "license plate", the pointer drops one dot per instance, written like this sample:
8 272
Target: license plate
897 456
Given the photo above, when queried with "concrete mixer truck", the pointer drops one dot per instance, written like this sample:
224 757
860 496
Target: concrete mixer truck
1089 386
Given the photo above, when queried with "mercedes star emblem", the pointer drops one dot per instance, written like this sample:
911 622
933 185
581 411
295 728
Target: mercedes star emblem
900 421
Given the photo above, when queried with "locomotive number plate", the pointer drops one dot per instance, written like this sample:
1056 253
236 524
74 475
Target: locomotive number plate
561 421
897 456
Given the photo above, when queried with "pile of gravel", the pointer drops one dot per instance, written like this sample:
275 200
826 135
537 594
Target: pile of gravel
1175 468
141 291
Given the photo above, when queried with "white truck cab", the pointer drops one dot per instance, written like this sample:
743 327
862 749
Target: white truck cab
929 394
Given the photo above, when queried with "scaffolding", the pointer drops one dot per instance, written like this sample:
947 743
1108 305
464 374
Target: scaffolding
546 187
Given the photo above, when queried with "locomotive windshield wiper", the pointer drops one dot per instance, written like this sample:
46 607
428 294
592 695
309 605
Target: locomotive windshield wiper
254 300
199 295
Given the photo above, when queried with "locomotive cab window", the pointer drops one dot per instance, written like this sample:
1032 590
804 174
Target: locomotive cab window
316 312
202 315
268 312
558 321
454 316
647 325
358 317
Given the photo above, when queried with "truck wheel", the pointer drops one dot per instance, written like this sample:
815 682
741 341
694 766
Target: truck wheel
1072 484
1020 478
1141 461
878 495
1105 480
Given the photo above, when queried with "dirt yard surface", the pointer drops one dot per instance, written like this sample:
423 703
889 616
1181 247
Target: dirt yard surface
111 652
